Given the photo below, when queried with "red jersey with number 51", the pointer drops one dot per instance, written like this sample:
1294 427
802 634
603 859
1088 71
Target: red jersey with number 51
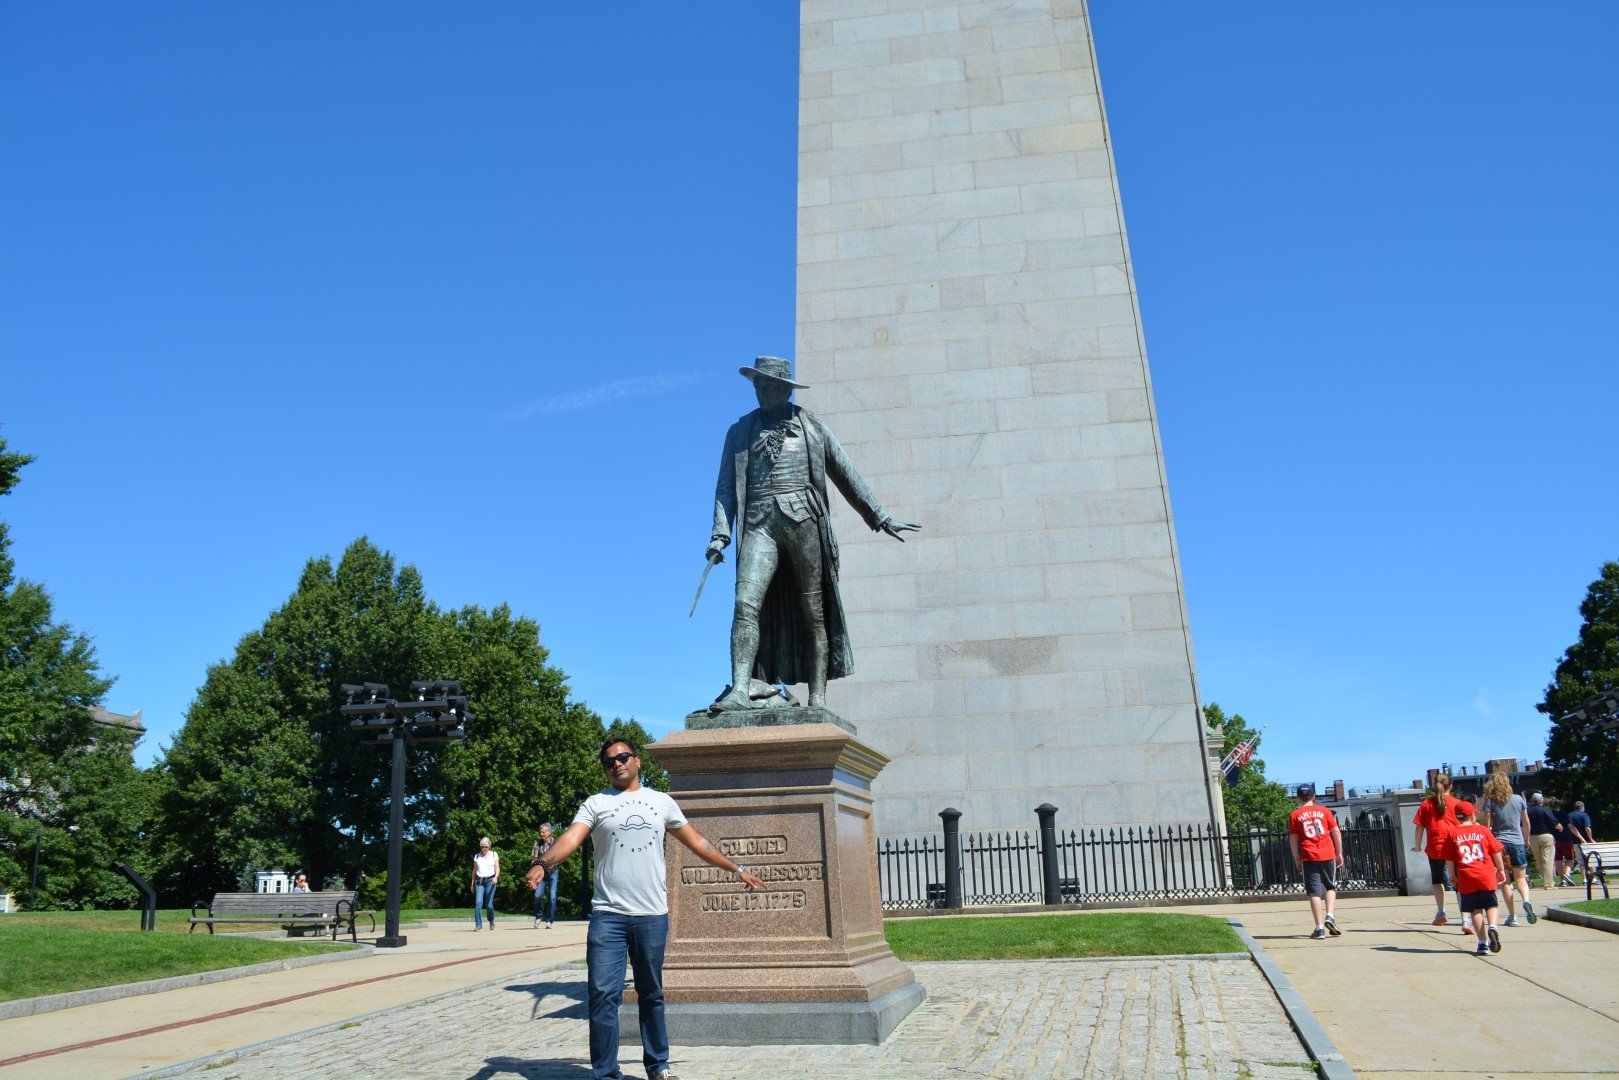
1313 826
1471 848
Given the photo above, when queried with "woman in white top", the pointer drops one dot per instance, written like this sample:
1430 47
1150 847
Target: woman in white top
485 872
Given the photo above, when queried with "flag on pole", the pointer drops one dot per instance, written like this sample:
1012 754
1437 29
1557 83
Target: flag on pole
1239 756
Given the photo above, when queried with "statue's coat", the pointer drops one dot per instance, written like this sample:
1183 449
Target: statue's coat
784 645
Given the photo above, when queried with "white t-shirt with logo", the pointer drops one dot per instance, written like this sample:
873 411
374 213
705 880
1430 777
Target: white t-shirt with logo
626 829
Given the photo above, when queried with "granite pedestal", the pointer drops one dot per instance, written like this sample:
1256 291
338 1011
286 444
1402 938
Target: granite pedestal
805 961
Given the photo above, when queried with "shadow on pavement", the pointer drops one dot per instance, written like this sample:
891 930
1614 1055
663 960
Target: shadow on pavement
573 991
1402 948
531 1069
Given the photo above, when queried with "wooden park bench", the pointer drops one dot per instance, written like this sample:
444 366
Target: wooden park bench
334 911
1595 862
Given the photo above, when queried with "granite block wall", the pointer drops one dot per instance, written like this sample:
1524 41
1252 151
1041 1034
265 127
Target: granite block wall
967 319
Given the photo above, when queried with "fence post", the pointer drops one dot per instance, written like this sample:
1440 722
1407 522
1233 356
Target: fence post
952 856
1048 852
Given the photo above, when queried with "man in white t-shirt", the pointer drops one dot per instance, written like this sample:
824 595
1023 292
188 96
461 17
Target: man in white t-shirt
630 909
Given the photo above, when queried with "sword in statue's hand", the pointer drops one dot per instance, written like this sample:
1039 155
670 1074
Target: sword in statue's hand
714 557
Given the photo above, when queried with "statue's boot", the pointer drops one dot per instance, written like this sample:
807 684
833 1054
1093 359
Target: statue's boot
819 658
733 700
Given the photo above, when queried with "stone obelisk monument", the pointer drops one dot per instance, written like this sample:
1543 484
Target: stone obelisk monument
967 323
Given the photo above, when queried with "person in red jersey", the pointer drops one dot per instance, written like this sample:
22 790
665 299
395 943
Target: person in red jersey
1318 850
1480 868
1436 817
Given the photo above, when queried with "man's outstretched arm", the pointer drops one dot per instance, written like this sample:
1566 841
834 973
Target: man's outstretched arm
560 849
707 852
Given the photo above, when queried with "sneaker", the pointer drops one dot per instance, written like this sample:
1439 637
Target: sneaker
1332 926
1495 939
1529 913
1440 919
1482 950
1512 920
1566 883
536 925
663 1074
1317 934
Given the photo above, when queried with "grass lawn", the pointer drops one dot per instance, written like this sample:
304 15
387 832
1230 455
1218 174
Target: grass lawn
39 958
1039 937
1606 908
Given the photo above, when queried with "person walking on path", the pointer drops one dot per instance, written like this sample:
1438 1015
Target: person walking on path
1436 817
1579 828
1478 862
485 874
626 824
1318 850
1508 818
548 883
1544 829
1564 846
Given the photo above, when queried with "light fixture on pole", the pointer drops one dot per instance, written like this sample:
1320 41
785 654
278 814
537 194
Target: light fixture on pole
436 712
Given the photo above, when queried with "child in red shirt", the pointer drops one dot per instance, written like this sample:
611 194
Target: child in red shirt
1318 850
1479 868
1436 817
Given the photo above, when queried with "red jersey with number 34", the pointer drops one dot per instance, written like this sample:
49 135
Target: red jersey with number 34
1471 848
1313 826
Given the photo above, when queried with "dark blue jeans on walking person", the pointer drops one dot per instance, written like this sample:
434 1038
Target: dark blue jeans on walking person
548 884
642 937
483 896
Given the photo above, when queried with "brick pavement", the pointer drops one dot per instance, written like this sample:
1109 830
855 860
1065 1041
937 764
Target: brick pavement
1176 1016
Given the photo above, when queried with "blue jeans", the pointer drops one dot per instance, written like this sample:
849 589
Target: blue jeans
547 883
643 938
483 896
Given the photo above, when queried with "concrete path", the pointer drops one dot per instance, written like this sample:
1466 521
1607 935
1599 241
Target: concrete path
137 1035
1169 1017
1401 998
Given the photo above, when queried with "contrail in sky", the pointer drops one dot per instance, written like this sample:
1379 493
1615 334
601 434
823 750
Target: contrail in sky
606 393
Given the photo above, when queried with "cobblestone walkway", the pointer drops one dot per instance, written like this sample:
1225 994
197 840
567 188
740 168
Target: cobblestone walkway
1135 1018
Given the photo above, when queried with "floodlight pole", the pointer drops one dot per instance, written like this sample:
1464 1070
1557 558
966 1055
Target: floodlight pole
436 713
393 939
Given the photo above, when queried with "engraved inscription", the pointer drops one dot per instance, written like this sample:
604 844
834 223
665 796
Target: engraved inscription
770 873
774 900
754 846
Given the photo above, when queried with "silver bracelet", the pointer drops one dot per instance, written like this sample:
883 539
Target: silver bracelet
740 869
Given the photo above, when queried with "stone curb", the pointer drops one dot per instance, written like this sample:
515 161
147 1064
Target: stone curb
1329 1063
225 1057
1558 913
34 1006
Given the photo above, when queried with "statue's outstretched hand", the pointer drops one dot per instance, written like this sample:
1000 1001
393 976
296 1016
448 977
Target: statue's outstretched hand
894 528
716 551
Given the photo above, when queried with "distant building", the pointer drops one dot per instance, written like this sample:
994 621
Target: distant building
1467 778
107 718
272 881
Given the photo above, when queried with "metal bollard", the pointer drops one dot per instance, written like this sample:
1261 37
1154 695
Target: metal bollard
952 856
1048 852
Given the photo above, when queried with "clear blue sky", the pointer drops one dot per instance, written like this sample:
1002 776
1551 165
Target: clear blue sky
475 282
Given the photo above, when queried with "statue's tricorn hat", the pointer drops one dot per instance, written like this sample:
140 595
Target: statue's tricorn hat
772 367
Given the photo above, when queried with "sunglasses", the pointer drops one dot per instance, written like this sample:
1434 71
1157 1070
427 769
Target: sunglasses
616 759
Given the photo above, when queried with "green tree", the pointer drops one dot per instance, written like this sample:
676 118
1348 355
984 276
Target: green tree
67 784
266 771
1587 766
1253 801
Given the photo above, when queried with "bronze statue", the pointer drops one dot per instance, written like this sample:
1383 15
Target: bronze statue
788 626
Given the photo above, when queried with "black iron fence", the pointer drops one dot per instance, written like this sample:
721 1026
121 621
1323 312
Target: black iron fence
1079 866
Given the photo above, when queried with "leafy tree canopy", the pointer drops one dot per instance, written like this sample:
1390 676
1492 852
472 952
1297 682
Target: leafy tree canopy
267 774
67 785
1587 766
1252 801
